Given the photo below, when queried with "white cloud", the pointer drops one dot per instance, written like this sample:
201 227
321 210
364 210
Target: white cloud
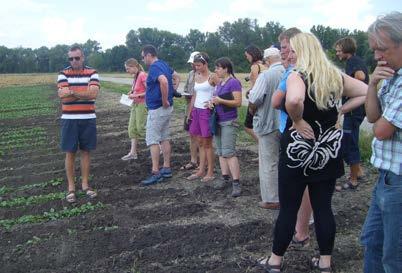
214 20
345 13
169 5
57 30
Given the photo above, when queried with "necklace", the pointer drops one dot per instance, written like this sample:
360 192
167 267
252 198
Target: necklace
225 80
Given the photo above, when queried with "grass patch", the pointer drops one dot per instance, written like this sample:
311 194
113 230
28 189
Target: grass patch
50 215
179 103
365 140
116 87
29 101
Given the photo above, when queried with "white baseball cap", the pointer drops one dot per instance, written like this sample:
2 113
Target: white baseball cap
191 59
272 51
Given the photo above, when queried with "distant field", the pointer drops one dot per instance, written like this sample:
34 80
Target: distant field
7 80
183 77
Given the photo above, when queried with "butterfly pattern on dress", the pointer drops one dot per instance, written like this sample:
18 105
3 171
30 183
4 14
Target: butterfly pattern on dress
314 155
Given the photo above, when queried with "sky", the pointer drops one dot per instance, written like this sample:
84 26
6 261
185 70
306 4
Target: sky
36 23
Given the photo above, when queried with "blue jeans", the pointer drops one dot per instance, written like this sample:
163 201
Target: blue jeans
350 140
382 230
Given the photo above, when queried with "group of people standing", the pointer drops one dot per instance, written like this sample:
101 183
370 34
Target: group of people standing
300 146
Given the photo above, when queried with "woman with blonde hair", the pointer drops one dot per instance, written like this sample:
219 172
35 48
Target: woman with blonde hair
138 115
310 146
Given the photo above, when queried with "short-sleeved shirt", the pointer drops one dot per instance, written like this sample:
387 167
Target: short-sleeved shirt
226 91
387 154
283 117
78 81
354 64
139 87
189 86
153 95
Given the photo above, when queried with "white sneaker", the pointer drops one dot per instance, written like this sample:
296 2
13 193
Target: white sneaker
129 156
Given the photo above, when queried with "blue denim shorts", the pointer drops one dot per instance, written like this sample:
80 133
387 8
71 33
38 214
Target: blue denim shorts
78 133
350 139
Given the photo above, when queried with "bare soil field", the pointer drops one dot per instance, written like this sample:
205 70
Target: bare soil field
176 226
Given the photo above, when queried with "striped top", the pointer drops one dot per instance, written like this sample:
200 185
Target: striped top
78 81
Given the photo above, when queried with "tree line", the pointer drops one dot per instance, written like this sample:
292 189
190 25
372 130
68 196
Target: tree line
229 40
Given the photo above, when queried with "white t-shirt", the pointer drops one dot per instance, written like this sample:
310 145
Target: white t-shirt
204 93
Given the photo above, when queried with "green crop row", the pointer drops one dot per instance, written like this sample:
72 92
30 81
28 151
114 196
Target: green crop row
22 133
21 138
54 182
51 215
31 200
31 101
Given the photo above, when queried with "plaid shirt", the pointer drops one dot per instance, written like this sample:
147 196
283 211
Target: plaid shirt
387 154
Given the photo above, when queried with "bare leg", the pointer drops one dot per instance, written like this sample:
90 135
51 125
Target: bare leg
193 149
303 217
85 166
155 153
134 143
233 163
202 156
167 152
354 173
209 151
70 172
224 165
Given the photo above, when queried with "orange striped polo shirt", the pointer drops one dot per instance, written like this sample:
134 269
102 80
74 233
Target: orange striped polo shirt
78 81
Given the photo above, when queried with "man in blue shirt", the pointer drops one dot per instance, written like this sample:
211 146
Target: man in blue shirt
159 101
382 230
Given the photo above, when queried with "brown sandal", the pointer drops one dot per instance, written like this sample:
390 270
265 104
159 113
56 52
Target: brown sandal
189 166
90 192
70 197
315 264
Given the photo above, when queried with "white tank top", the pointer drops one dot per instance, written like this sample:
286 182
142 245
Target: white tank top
204 93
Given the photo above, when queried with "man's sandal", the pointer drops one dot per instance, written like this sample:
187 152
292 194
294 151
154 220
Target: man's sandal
89 192
298 244
70 197
189 166
272 268
315 264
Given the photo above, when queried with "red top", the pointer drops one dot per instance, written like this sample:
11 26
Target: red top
139 87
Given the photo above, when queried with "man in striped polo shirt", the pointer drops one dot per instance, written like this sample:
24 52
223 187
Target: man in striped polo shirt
78 87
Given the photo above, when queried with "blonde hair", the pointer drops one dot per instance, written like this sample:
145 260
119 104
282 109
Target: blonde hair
133 62
324 79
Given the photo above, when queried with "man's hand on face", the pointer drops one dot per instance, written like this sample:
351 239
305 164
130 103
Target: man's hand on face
381 72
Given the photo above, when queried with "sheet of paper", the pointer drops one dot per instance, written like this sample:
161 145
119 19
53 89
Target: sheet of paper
125 100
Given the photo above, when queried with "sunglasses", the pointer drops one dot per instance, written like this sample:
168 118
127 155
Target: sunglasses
198 58
74 58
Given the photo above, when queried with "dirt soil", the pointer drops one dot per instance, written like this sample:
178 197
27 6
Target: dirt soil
176 226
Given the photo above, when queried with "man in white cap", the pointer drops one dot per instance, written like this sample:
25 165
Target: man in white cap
266 127
188 92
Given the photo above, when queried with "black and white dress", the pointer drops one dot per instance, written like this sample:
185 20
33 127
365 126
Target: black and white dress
312 160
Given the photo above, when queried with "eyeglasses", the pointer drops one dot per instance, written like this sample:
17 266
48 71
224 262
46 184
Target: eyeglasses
74 58
198 58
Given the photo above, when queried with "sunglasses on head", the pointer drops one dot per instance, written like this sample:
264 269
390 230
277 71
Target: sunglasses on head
198 58
74 58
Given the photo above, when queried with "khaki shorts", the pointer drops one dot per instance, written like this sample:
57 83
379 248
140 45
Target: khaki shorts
225 138
157 129
138 118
